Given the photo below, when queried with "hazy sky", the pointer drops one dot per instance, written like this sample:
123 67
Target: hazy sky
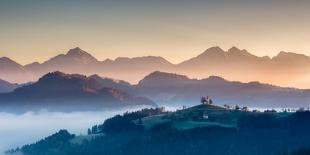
37 29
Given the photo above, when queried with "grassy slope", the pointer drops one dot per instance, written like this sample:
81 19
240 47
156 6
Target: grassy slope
192 117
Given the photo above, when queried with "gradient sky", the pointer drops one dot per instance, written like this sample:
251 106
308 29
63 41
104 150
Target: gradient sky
35 30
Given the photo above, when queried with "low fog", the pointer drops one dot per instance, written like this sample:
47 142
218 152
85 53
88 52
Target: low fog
19 129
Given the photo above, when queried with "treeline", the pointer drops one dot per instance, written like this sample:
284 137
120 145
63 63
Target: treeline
59 141
124 122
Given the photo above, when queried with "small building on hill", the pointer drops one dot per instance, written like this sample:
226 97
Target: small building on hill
205 116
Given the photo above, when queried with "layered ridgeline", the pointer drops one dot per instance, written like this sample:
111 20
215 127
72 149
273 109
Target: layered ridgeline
202 129
77 61
59 91
7 86
173 89
285 69
13 72
165 89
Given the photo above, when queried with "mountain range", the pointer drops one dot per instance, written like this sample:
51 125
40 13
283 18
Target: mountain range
7 86
79 92
172 89
284 69
59 91
79 61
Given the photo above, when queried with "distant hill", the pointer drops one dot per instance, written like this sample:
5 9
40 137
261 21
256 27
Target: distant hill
285 69
173 89
13 72
6 86
59 91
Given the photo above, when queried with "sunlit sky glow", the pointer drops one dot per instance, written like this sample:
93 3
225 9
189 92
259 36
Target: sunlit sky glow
35 30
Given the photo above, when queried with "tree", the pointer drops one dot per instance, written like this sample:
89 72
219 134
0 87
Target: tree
210 101
89 131
226 106
237 107
94 129
301 109
203 100
245 108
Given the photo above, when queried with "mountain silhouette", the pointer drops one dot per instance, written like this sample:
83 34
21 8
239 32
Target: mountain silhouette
60 91
79 92
284 69
13 72
7 86
172 89
74 61
161 79
134 69
79 61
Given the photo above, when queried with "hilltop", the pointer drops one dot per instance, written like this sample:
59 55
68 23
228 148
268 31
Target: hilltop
197 116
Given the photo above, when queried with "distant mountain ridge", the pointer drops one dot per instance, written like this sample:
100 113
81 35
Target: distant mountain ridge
173 89
13 72
75 60
6 86
165 89
60 91
285 69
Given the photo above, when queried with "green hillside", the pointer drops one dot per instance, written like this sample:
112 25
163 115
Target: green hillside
198 116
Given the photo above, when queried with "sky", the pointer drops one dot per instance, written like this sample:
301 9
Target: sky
35 30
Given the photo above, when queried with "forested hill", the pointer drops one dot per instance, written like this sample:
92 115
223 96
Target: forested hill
203 129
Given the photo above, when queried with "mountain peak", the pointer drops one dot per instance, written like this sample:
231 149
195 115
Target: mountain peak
34 64
77 52
234 48
282 53
60 75
213 51
161 78
234 51
159 74
290 55
7 60
215 78
95 76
